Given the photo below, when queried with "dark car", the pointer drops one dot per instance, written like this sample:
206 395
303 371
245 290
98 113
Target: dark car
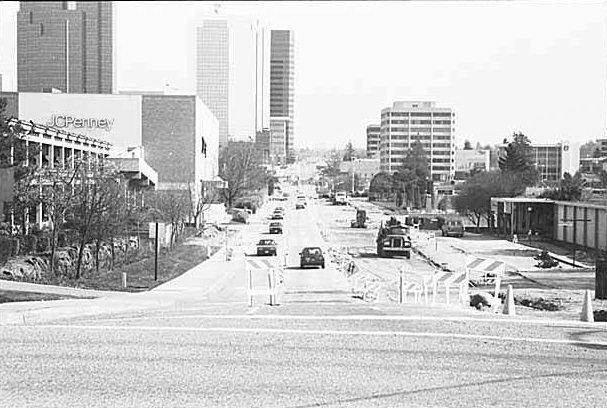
266 247
300 206
277 216
275 228
311 256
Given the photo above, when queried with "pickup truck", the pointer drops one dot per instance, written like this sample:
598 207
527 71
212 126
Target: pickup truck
266 247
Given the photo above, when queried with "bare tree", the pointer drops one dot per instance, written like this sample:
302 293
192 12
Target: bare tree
240 167
171 206
201 197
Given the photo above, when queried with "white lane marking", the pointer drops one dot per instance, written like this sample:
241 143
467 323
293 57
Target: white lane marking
461 319
390 333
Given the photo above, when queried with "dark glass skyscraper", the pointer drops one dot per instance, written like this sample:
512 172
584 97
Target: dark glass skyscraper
65 45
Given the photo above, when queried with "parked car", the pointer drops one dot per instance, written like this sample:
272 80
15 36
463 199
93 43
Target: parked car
311 256
300 206
266 247
453 228
275 228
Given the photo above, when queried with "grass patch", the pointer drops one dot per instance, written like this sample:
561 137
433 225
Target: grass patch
140 274
7 296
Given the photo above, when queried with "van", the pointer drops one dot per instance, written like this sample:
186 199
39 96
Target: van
453 228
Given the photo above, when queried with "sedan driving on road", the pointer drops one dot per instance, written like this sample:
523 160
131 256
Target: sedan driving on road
266 247
275 228
311 256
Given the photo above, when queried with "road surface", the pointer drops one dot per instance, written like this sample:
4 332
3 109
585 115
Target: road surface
320 347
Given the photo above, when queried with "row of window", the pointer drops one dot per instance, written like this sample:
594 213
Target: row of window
417 114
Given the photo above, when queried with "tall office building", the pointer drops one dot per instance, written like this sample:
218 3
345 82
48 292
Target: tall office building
0 82
67 46
407 122
213 71
373 140
282 86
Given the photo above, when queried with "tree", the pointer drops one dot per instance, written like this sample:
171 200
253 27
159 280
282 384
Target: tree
201 197
467 145
239 165
474 199
568 189
20 157
172 207
381 185
517 159
95 190
413 177
349 152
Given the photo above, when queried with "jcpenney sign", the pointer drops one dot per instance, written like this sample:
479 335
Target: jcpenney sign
65 121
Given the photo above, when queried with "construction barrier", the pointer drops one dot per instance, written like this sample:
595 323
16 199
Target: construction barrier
485 271
267 271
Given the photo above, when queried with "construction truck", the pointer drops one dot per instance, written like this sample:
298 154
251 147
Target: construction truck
393 239
361 219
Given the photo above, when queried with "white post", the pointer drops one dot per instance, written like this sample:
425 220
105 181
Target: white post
400 296
250 285
124 280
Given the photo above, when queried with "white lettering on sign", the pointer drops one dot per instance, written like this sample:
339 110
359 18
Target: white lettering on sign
66 121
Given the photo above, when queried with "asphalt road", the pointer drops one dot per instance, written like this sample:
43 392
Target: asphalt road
320 347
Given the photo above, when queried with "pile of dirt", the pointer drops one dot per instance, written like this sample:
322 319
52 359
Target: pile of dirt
550 305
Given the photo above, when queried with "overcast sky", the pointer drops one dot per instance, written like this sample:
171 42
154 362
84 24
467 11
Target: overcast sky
537 67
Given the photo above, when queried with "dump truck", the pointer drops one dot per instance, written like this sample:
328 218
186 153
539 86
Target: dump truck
393 239
361 219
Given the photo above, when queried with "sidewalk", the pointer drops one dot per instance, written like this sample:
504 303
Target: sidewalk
192 286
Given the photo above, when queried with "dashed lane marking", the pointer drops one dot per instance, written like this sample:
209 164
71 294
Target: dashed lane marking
387 333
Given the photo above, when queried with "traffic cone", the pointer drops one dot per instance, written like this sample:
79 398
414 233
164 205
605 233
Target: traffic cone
509 304
587 315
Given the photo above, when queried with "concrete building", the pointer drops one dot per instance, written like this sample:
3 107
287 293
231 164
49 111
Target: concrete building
213 71
0 82
65 46
363 169
373 132
407 122
578 223
554 160
282 90
469 161
176 135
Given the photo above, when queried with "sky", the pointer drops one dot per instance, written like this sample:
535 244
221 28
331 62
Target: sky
539 67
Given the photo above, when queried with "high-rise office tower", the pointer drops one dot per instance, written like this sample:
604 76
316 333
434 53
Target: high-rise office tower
408 122
373 132
282 86
66 46
212 71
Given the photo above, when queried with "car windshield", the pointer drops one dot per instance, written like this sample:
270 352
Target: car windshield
312 251
267 242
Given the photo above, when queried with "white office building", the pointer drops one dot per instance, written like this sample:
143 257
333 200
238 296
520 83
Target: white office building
409 121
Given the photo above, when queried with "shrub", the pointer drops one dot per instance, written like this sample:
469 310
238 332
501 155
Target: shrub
43 244
29 244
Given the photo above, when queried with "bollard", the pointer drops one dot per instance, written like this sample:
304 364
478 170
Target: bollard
124 280
509 304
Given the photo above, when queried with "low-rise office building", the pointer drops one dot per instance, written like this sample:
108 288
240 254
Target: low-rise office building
470 161
177 135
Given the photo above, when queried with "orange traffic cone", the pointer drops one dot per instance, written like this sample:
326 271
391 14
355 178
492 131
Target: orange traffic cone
587 315
509 304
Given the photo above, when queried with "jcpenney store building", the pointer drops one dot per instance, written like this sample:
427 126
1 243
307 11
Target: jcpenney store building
177 134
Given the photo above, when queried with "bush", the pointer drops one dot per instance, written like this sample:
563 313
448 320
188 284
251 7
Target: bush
43 244
29 244
9 247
